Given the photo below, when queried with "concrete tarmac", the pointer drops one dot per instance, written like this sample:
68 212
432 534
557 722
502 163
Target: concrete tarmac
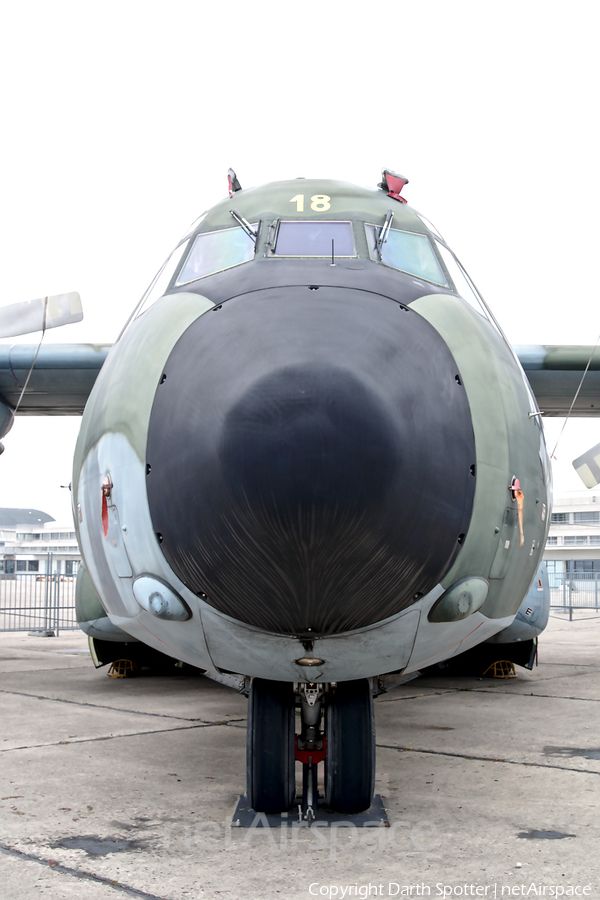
127 787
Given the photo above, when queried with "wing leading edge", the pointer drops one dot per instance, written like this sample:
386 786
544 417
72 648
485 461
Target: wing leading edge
61 379
63 376
554 373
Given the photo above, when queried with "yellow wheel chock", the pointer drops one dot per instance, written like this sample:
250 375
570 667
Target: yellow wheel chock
122 668
501 669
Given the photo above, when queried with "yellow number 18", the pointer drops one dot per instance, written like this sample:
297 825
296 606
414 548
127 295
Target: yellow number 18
318 202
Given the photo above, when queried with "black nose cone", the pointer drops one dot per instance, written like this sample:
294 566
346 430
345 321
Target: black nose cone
308 436
309 459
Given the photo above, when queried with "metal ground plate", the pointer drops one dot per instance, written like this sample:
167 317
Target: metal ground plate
246 817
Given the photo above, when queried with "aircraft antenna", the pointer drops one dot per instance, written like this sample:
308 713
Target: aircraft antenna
576 394
14 412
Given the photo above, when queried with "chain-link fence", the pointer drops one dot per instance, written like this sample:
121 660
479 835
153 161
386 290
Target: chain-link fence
40 603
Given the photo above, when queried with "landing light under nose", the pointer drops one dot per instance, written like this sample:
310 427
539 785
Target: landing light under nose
459 601
159 599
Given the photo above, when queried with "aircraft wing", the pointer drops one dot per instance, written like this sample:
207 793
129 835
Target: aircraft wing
61 379
64 374
554 373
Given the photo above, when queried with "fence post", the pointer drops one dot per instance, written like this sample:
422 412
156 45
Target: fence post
47 591
57 604
570 601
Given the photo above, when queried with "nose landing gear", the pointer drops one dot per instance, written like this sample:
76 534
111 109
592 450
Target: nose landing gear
346 746
311 746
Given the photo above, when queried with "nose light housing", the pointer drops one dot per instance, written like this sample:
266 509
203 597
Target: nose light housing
159 599
466 596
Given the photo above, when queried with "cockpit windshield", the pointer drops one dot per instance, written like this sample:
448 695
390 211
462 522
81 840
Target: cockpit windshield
407 251
214 251
314 239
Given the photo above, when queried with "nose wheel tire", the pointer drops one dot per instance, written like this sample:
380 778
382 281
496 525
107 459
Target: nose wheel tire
350 763
270 756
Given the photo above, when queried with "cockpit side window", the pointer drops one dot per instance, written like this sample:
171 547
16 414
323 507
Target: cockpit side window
462 284
315 239
408 251
162 279
215 251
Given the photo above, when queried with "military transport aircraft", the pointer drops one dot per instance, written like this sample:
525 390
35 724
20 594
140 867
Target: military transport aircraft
310 465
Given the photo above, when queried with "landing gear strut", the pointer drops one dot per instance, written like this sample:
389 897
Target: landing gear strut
311 746
346 745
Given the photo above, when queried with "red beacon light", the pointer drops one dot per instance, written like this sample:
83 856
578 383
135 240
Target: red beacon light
392 184
233 182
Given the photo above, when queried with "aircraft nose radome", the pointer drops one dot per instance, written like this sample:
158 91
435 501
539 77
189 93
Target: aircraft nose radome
308 437
309 459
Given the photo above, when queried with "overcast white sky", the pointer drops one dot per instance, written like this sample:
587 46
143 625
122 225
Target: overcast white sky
121 119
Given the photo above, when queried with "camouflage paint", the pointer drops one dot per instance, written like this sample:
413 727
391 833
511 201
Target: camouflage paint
508 443
112 443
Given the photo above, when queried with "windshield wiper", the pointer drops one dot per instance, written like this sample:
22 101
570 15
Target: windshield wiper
245 225
382 237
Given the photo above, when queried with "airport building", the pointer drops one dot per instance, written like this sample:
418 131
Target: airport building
32 541
573 545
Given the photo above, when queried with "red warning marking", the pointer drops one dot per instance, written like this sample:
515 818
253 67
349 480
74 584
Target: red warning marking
106 489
